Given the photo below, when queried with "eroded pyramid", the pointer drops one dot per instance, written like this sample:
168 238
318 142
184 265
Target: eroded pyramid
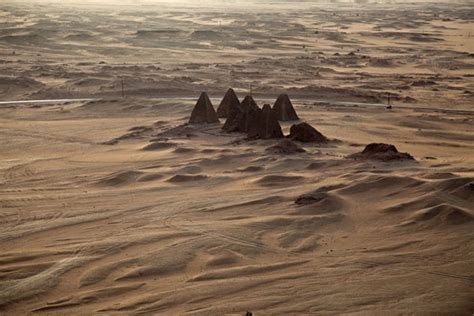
284 109
203 111
304 132
382 152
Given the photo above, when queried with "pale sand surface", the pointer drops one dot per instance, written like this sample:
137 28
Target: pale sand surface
205 223
421 53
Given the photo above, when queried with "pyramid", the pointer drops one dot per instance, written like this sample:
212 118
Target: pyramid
304 132
203 111
233 118
239 118
268 126
253 118
250 109
229 102
284 109
248 102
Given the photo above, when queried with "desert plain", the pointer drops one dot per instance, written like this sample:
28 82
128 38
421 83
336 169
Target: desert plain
116 205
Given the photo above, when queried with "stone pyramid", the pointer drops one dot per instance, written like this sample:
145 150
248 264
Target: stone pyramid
268 126
251 110
233 118
247 103
239 118
253 118
284 109
203 111
229 102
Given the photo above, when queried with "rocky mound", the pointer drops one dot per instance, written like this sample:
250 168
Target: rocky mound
311 198
183 178
284 109
21 82
158 146
204 112
285 146
382 152
304 132
229 103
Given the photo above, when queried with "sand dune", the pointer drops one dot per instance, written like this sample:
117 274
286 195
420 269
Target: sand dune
227 226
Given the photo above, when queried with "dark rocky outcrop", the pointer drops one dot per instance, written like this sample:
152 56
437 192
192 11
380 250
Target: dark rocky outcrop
284 109
285 146
382 152
203 111
304 132
310 198
469 186
229 102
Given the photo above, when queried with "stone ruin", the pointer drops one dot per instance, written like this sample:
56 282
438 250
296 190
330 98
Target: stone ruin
203 111
229 103
284 109
381 152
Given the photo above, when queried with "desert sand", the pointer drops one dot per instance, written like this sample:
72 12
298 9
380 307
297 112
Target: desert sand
119 206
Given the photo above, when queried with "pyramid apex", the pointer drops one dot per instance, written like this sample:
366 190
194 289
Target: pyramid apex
229 103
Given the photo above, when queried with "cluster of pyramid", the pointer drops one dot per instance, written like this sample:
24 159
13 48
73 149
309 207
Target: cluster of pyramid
247 117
